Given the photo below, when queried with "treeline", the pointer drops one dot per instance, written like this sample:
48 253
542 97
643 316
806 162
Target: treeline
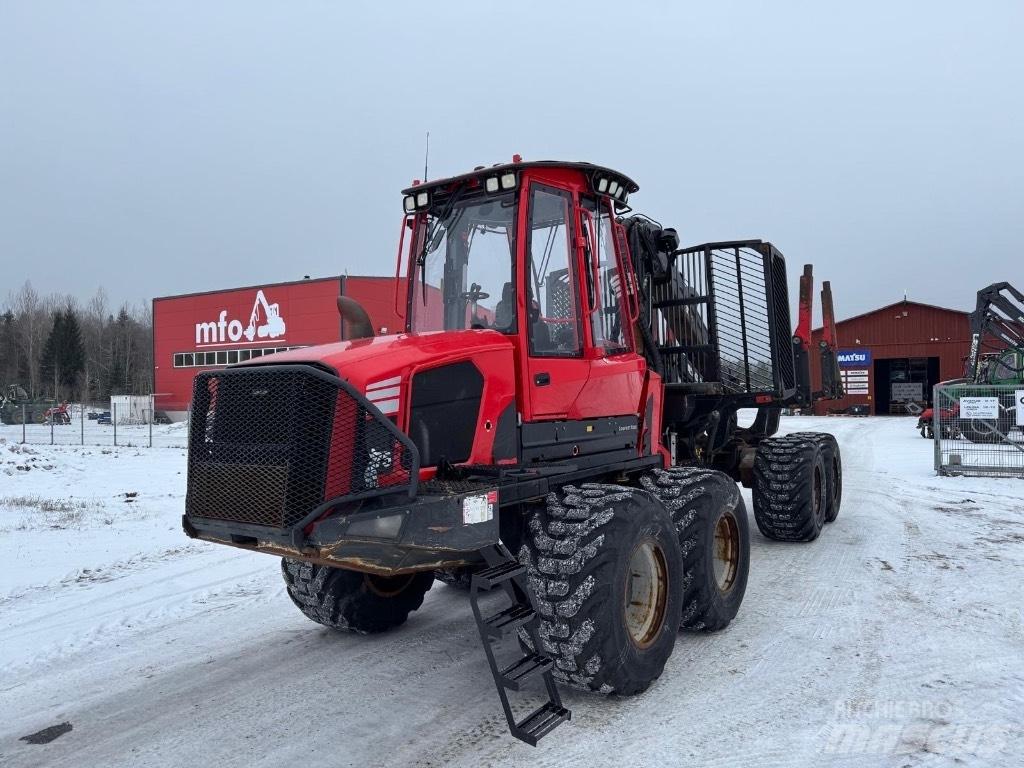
55 348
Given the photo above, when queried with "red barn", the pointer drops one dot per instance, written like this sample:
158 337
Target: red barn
199 331
894 355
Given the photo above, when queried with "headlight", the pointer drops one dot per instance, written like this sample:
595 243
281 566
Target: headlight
386 527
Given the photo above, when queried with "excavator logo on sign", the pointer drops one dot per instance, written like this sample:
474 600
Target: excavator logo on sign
265 322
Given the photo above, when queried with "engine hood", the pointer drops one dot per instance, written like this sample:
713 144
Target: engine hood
364 362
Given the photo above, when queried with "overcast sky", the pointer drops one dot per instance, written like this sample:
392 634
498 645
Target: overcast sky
159 148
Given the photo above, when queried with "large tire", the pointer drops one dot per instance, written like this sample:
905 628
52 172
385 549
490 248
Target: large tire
714 537
790 488
984 430
833 470
350 600
606 573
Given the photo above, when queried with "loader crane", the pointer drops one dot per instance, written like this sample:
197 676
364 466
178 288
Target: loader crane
556 429
996 359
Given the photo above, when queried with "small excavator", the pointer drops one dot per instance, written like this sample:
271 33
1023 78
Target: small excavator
274 325
996 359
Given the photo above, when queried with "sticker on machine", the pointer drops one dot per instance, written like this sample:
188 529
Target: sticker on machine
479 508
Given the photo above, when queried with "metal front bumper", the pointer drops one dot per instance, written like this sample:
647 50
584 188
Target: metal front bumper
422 534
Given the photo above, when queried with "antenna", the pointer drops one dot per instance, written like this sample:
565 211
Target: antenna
426 157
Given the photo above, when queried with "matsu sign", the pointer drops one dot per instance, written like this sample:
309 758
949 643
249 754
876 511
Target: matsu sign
979 407
853 358
265 322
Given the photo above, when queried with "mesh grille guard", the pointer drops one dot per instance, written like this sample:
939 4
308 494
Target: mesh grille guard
276 446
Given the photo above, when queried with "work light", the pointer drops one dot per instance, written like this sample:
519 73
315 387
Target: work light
602 185
508 180
492 184
613 187
422 198
409 203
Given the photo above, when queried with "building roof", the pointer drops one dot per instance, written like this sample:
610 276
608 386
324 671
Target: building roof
901 303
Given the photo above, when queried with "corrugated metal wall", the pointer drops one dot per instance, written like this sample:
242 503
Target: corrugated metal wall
902 330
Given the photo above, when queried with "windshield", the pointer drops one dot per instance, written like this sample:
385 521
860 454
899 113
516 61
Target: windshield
464 271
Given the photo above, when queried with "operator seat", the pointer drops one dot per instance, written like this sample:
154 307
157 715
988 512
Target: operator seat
505 310
540 334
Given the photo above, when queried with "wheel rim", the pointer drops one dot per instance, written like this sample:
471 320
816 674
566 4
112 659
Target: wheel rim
387 586
646 594
726 558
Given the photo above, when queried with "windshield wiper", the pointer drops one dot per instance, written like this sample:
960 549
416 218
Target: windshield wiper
432 238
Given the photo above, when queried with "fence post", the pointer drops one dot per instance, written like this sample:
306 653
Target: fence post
113 419
150 418
51 427
937 427
23 440
81 418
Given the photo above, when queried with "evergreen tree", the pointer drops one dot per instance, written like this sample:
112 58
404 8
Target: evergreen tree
63 357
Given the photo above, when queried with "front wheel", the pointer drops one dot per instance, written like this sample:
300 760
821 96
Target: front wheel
350 600
607 577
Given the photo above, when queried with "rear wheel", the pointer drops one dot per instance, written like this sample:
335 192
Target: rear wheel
791 488
714 537
606 574
350 600
833 470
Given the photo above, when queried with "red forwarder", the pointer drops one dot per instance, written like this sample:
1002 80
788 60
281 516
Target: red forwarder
205 331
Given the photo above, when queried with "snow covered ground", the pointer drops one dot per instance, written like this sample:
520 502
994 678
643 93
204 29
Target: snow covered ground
895 639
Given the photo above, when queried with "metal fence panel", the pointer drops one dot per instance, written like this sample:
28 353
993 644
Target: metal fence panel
82 427
979 429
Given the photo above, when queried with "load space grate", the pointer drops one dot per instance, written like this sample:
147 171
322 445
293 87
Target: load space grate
269 445
741 308
717 316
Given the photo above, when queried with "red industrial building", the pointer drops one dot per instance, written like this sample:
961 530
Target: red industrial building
199 331
894 355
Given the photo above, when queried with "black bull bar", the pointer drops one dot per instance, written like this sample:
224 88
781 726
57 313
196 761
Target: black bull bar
292 460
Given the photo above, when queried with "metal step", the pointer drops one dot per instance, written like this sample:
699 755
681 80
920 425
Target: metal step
514 616
513 676
504 571
541 722
491 577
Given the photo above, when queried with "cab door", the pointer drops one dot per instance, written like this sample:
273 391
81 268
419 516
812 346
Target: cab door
556 366
615 382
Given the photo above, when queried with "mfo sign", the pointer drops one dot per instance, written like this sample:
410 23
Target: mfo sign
265 322
854 358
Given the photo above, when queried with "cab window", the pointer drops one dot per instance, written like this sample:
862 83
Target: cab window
604 283
552 301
